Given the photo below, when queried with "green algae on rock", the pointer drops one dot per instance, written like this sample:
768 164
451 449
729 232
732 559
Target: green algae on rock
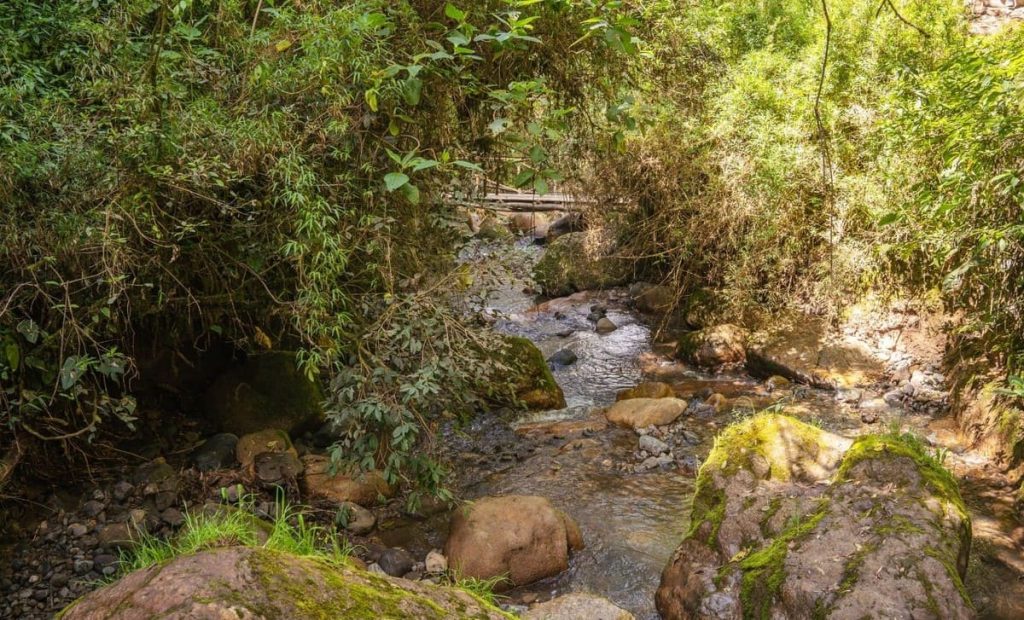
535 386
252 582
569 265
792 521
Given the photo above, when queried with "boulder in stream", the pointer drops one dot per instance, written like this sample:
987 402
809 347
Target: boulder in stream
535 386
648 389
571 263
643 412
790 521
520 537
246 582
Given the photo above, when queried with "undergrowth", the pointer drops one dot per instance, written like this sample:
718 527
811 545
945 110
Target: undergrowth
289 532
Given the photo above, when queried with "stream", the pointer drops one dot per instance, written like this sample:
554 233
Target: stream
633 519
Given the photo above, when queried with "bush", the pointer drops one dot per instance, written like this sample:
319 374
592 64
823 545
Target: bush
272 173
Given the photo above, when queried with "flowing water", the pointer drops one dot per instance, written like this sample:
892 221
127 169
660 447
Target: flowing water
633 521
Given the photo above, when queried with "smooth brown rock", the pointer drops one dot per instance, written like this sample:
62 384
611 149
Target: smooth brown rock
644 412
523 538
578 607
254 444
649 389
364 489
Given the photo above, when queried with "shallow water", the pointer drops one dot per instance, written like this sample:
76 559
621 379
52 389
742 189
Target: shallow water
632 522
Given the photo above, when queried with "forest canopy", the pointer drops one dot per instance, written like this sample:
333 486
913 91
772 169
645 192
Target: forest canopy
280 174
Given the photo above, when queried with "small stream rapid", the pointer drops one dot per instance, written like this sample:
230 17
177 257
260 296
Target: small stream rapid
631 520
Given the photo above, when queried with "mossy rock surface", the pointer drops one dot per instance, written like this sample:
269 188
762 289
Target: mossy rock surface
791 521
535 386
569 265
246 582
266 391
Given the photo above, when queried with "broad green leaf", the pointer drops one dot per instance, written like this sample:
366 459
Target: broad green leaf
455 13
395 180
29 330
70 372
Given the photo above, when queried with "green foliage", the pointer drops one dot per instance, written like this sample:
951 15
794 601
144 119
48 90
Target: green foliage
288 533
725 167
270 173
482 589
960 227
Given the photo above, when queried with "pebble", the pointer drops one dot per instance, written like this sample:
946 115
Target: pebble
653 445
77 530
435 562
395 562
83 566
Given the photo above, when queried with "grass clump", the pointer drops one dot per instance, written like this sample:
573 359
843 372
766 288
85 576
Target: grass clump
289 532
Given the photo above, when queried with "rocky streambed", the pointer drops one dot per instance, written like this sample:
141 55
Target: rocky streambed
599 492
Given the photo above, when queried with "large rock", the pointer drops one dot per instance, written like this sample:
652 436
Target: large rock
790 521
568 223
519 537
644 412
808 351
576 607
365 488
269 440
647 389
266 391
245 582
535 386
714 347
570 264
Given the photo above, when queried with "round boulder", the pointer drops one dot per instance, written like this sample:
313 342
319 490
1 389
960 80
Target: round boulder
254 444
520 537
648 389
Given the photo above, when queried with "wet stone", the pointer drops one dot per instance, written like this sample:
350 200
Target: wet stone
218 452
395 562
562 357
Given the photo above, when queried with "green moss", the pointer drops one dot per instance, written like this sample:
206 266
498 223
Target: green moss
764 570
892 445
535 385
329 593
568 267
738 444
951 570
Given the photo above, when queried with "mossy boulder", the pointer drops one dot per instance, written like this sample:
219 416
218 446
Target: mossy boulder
534 384
790 521
266 391
245 582
571 264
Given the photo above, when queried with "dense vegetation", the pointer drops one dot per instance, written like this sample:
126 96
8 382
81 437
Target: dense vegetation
271 173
